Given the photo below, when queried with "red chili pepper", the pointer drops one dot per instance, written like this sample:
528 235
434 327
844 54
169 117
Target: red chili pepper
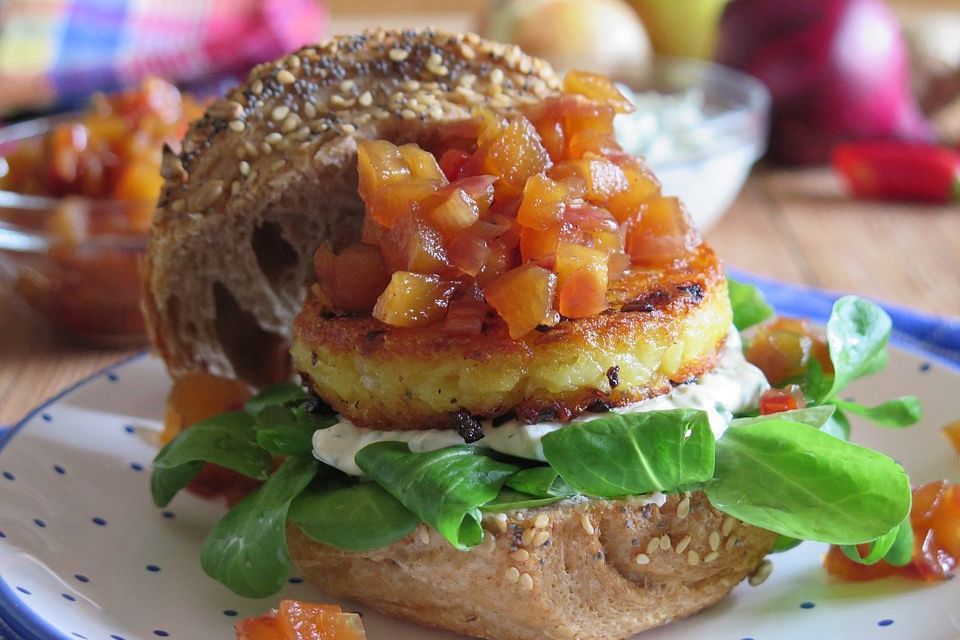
900 171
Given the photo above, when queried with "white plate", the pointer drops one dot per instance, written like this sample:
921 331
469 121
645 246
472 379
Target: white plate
85 554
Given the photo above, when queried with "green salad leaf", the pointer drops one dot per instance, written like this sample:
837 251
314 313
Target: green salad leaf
813 382
166 483
784 543
273 415
749 306
901 552
899 412
541 482
289 431
357 517
632 454
837 426
797 481
857 336
509 499
895 547
285 394
247 550
228 440
877 549
287 439
825 417
814 416
444 488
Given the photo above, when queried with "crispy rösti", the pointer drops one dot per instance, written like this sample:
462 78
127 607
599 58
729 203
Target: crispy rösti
664 327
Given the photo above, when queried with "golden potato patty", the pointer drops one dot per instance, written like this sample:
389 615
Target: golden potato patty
666 327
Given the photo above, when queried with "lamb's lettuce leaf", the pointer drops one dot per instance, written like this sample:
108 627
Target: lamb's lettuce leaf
814 416
228 440
289 431
784 543
901 551
509 500
857 334
287 439
899 412
247 550
786 472
355 517
797 481
279 395
167 482
445 488
749 306
275 421
895 547
837 426
542 482
633 454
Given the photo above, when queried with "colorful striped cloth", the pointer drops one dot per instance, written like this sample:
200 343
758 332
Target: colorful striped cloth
57 52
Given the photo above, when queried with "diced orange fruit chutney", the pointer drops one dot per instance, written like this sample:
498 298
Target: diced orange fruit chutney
597 87
523 297
522 220
294 620
935 517
952 431
195 397
783 349
413 299
351 280
198 396
263 627
112 150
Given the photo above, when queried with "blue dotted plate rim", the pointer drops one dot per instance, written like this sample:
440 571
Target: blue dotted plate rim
15 612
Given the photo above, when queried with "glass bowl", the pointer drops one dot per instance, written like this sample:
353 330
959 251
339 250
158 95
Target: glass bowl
72 258
700 126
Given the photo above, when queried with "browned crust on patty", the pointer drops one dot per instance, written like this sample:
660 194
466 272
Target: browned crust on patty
651 309
580 580
641 298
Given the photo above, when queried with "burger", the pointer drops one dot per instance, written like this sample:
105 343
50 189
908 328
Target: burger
525 409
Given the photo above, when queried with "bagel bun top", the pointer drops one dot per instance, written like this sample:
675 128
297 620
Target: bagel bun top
269 173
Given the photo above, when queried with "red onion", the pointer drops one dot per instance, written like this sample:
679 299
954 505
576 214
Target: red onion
837 69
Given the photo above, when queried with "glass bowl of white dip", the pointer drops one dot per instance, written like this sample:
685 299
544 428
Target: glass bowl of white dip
699 126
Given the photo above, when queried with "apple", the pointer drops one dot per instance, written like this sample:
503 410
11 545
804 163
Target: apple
591 35
681 27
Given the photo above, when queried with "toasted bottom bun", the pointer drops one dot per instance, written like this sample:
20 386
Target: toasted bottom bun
585 570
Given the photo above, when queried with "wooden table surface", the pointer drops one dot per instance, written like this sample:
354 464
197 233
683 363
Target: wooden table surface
792 225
